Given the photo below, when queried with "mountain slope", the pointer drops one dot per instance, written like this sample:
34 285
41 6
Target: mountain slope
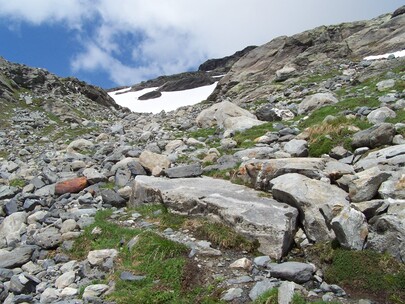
253 76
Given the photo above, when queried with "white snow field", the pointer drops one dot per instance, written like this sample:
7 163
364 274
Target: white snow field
385 56
169 101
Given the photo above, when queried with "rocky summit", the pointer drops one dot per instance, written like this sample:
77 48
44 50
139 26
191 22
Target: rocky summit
286 186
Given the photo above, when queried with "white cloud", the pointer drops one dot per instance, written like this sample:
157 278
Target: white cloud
168 36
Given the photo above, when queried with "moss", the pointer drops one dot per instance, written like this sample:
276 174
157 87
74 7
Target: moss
19 183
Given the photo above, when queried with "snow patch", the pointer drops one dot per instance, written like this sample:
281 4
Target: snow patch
385 56
169 101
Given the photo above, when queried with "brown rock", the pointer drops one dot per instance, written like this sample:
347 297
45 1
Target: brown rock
71 186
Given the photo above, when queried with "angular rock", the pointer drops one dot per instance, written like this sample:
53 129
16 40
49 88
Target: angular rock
193 170
231 294
387 233
292 271
98 257
232 124
393 188
316 101
16 257
68 225
7 192
297 148
49 295
243 263
261 287
65 279
79 145
365 184
93 176
286 292
385 84
112 198
393 156
122 177
272 224
371 208
128 276
71 186
219 112
285 73
380 115
257 153
150 160
49 238
351 229
260 172
318 202
136 168
376 136
12 228
92 292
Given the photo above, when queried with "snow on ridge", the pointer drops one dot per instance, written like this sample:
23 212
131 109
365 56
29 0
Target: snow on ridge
385 56
169 101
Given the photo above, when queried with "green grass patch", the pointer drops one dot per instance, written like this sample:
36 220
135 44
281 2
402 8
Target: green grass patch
107 185
323 137
222 236
319 115
110 237
362 274
170 277
352 270
320 77
19 183
245 138
161 214
203 132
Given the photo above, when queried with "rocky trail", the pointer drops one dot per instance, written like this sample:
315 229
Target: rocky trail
281 189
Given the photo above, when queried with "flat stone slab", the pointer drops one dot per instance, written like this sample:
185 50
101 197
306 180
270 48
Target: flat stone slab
272 223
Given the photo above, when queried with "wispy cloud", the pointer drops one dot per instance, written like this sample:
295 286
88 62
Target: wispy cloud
132 40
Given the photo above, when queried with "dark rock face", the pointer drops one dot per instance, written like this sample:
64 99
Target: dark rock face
252 76
398 11
150 95
14 77
193 80
224 64
267 113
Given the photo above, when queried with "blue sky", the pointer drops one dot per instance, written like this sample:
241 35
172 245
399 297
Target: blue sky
121 42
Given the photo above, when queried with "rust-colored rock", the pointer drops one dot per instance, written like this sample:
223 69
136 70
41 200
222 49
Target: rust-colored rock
71 186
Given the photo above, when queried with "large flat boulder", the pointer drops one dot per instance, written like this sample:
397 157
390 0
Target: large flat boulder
272 223
318 202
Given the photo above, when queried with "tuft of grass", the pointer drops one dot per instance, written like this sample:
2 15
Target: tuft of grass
324 136
269 297
221 235
19 183
203 132
107 185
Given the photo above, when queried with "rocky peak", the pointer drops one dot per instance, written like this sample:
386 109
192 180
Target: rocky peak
253 76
